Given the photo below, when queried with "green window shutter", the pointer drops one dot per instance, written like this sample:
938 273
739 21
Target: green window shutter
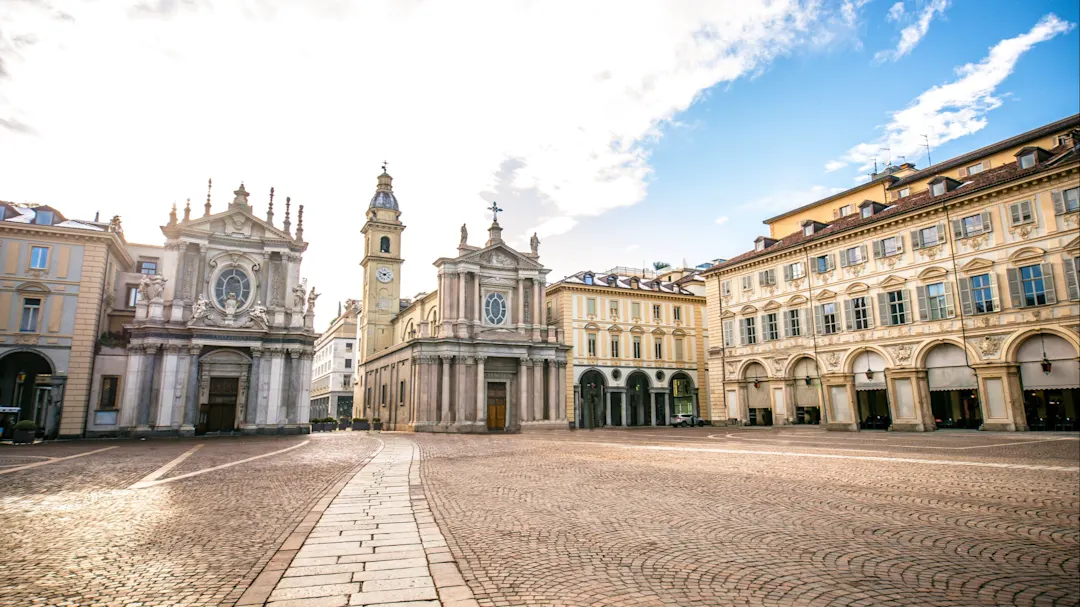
819 320
1048 283
849 315
965 297
787 324
1016 292
883 309
916 239
729 333
879 249
987 222
804 322
1059 202
787 273
1072 288
899 243
924 305
957 229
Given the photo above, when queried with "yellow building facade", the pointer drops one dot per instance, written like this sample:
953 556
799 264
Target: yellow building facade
950 300
639 344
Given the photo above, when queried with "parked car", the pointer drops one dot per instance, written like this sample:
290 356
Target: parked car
686 419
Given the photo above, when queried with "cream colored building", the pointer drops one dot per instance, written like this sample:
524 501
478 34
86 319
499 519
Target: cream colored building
334 365
51 294
941 297
474 355
639 341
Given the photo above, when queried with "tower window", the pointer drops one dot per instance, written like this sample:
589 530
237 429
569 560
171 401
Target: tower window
384 244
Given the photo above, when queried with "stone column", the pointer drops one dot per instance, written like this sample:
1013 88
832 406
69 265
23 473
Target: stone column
445 390
537 308
623 408
146 389
296 392
432 404
191 400
607 407
275 398
170 366
264 279
652 403
519 294
413 381
552 390
481 391
538 390
462 329
561 391
460 365
176 304
667 408
523 387
201 277
131 404
253 391
304 414
478 312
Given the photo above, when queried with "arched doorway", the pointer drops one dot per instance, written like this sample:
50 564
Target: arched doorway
591 386
759 408
871 394
682 394
637 395
954 394
27 392
1050 377
807 392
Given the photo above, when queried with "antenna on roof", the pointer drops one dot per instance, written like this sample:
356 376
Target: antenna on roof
888 157
926 142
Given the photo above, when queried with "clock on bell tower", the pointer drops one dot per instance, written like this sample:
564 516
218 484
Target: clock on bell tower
382 264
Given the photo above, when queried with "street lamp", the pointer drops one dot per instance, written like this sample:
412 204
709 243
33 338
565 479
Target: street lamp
808 380
1046 365
869 371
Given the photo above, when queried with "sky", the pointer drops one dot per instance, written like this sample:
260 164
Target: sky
622 132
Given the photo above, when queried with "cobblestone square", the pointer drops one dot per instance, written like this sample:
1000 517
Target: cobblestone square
699 516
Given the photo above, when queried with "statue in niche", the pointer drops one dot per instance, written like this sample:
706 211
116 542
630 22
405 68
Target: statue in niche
464 235
534 244
311 301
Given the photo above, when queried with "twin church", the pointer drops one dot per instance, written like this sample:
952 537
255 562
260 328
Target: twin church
474 355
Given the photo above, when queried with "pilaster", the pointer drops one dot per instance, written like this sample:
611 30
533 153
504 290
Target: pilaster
840 400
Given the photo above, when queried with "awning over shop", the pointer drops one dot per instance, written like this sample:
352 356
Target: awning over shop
1064 366
873 361
946 369
807 396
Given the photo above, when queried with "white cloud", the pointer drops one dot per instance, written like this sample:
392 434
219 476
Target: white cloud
721 220
912 34
896 12
949 111
834 165
130 108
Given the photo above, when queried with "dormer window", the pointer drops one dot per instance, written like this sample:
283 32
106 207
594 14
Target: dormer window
808 229
812 227
904 193
867 211
759 245
846 210
1027 160
588 278
937 189
1030 156
611 280
43 218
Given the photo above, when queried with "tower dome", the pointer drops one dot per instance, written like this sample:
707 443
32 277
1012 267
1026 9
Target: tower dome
384 193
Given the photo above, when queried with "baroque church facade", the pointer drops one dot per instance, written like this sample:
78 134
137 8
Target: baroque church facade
475 355
218 328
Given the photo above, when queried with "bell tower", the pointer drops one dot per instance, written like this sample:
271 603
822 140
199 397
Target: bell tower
382 267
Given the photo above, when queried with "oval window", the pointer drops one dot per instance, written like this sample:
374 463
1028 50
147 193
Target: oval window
495 309
232 281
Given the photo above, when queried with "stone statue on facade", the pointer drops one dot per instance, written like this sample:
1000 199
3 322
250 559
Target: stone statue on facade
258 314
231 303
464 235
353 306
534 244
298 297
152 288
311 301
201 310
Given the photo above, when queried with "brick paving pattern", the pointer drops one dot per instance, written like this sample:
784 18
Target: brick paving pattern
603 518
76 534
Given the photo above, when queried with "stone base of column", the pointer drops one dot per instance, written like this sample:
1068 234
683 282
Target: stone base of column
425 427
543 425
842 427
907 427
187 430
248 429
999 427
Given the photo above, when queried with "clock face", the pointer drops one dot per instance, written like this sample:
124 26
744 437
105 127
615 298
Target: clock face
384 275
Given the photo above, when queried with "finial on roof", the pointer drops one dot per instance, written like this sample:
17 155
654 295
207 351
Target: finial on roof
241 197
288 224
172 215
495 231
187 211
270 208
209 185
300 224
495 210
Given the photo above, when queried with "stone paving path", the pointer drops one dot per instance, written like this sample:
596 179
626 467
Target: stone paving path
376 543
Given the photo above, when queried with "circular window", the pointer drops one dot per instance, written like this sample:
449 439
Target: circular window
616 374
495 308
232 281
659 376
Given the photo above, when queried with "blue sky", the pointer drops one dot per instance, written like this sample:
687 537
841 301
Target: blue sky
749 139
620 131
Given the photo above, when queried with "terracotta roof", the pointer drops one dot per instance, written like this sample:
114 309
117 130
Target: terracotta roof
600 279
985 179
875 181
1011 142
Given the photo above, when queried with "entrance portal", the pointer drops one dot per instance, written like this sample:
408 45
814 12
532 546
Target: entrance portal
874 410
592 400
956 409
219 413
637 392
27 392
760 417
496 406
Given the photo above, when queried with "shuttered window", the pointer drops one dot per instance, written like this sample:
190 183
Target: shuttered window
792 323
978 294
725 288
1067 201
1072 275
887 247
615 347
590 307
729 333
747 283
794 271
823 264
894 307
769 326
637 347
853 256
972 225
635 310
767 278
935 302
1020 213
592 344
826 319
858 314
928 237
747 331
1032 286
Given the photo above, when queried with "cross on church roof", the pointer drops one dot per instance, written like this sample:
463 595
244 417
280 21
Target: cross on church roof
384 163
495 210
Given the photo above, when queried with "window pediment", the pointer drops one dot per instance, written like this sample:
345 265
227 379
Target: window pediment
592 327
614 328
1072 245
658 332
795 300
1026 254
892 281
772 305
932 273
678 333
826 295
727 314
748 310
33 287
637 330
857 287
977 266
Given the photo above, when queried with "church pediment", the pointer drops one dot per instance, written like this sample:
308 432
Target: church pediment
235 223
499 255
892 281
